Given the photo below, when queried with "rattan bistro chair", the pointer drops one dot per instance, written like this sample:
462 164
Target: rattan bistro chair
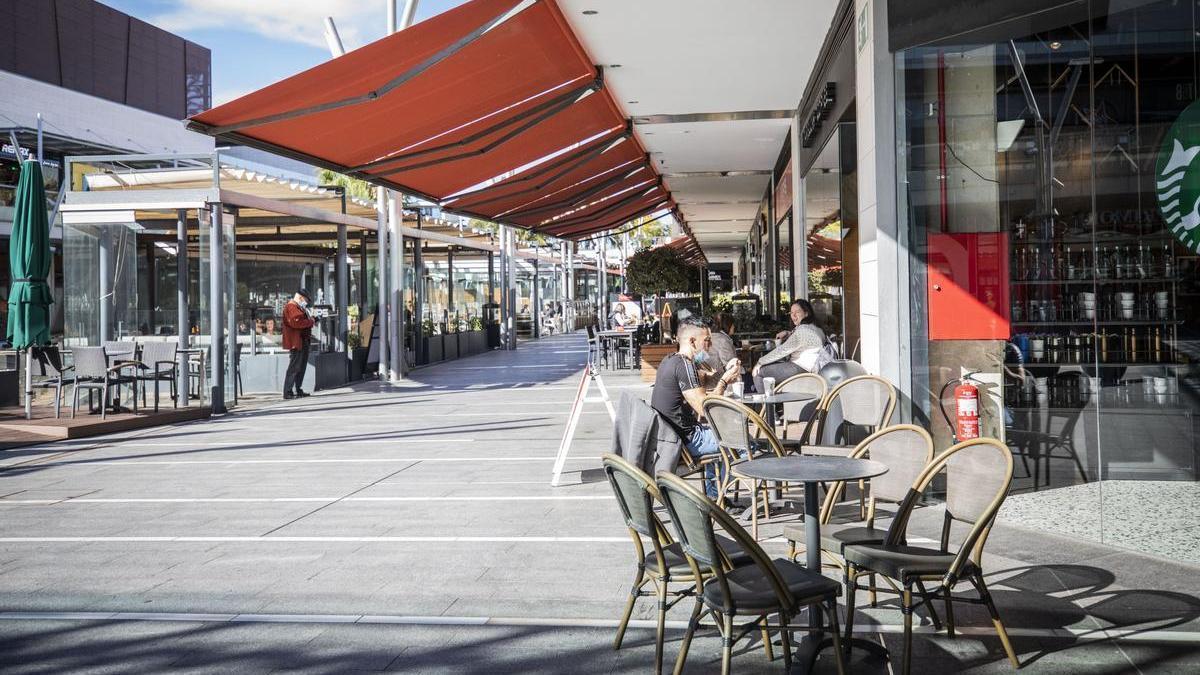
853 410
906 450
978 476
754 591
802 411
665 564
741 435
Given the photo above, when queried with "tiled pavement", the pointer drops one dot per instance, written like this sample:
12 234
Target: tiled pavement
413 528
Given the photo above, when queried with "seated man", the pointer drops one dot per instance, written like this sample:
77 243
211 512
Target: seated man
679 394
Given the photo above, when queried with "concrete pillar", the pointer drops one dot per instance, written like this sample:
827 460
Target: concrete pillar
342 280
536 309
182 319
381 281
799 231
396 285
216 311
230 300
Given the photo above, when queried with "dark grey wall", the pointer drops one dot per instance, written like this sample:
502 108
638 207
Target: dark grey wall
88 47
913 23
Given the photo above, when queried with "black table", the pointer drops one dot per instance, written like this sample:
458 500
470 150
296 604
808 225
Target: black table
810 471
769 401
626 334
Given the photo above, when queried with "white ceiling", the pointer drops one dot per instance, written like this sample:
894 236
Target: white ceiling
707 56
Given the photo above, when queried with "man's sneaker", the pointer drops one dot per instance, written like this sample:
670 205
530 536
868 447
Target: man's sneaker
300 393
287 396
734 509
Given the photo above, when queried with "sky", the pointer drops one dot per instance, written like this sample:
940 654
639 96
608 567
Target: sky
257 42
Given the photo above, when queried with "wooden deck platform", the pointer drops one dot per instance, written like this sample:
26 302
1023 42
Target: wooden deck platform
16 431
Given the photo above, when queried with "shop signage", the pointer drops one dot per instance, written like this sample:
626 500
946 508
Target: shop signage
7 149
1178 180
824 103
783 192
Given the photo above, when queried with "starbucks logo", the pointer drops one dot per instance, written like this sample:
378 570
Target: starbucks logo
1178 181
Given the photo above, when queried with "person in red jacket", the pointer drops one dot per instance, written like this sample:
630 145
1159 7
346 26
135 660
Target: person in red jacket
297 331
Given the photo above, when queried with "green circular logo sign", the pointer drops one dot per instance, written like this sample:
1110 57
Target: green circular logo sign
1177 177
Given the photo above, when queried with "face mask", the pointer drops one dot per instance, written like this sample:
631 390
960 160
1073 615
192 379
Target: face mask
700 356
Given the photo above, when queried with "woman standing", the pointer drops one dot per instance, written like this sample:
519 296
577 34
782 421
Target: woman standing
784 361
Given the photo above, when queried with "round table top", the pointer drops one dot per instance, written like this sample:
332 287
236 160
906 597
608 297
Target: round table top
802 469
777 397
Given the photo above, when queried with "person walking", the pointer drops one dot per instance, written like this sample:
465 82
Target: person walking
297 331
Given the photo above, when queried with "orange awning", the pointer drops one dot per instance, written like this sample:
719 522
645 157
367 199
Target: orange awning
492 109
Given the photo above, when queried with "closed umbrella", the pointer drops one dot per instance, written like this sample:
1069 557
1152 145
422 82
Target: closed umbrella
29 259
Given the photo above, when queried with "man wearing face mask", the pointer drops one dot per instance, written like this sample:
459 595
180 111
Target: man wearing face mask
679 394
297 331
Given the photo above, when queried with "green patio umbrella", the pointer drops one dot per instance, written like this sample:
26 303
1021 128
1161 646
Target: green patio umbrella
29 298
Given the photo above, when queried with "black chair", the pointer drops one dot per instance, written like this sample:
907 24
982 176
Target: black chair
94 373
54 375
978 476
159 363
666 563
755 591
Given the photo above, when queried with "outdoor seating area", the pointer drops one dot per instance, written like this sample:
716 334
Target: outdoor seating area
844 489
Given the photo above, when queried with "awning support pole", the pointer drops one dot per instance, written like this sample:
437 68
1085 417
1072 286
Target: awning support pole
216 310
183 329
381 280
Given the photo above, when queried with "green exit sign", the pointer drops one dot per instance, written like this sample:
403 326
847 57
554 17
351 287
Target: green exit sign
864 26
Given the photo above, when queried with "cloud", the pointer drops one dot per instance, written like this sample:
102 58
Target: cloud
299 21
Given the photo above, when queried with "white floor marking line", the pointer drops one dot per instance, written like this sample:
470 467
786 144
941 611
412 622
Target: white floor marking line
327 460
315 540
218 444
1074 634
272 500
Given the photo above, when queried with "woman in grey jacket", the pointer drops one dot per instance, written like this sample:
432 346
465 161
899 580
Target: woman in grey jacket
784 361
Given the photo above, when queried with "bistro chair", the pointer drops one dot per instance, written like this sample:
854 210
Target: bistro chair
801 412
123 350
159 363
978 476
905 450
54 375
732 423
753 591
636 496
93 373
853 410
596 353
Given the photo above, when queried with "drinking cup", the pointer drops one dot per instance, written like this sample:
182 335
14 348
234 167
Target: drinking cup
768 385
1127 312
1161 298
738 389
1041 385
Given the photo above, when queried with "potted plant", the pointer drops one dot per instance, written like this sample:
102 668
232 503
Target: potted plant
358 355
433 342
476 336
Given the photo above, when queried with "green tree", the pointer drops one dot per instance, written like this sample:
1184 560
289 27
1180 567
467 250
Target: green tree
355 187
660 270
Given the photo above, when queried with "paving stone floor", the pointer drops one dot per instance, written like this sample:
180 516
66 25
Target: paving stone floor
412 528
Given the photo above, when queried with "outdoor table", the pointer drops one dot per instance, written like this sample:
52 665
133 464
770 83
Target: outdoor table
623 335
810 471
769 402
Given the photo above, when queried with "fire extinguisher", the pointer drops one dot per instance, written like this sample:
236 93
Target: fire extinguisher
966 408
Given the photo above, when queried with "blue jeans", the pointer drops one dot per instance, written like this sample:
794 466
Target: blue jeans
701 442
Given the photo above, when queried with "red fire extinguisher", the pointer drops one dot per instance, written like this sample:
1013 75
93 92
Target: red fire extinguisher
966 408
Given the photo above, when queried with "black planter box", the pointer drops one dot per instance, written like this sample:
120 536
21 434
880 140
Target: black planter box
450 346
493 336
433 348
358 363
477 342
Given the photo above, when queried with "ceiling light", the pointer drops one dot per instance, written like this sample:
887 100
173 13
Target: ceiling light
590 12
1055 45
631 102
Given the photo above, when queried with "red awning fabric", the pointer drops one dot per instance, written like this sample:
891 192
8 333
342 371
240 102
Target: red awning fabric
493 109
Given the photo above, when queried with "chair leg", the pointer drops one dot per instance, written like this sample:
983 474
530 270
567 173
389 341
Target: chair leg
949 614
75 401
928 599
831 610
872 596
633 595
766 637
850 580
906 608
58 401
687 638
984 595
660 628
785 635
726 643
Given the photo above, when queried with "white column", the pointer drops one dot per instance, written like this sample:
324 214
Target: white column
883 277
396 286
799 229
381 281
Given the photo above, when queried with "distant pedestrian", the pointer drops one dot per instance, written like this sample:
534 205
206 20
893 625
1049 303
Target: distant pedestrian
297 331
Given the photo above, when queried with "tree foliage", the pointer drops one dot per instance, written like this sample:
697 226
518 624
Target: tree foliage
660 270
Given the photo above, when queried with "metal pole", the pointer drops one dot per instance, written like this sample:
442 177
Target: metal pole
406 17
181 312
216 311
602 282
504 287
420 341
342 279
536 312
233 362
106 286
396 286
381 281
39 142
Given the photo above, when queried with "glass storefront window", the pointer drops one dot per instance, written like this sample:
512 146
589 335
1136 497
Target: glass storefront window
1050 199
831 230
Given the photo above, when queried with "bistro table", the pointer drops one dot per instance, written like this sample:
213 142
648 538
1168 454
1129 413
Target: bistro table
810 471
771 400
626 334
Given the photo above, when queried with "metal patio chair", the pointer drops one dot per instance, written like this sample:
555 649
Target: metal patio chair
741 435
754 591
666 563
978 476
54 375
159 363
94 373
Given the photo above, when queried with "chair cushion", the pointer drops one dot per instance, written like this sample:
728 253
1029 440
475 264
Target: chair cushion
751 592
835 536
901 562
677 565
